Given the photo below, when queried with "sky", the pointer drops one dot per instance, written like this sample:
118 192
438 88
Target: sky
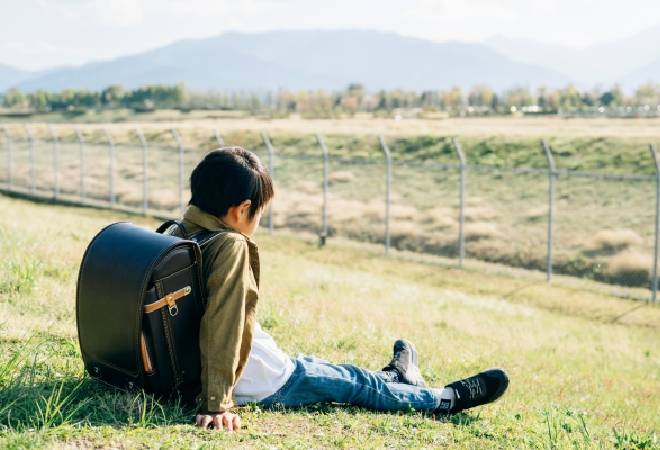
38 34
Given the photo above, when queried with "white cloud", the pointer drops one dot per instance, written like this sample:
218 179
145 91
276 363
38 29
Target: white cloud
119 13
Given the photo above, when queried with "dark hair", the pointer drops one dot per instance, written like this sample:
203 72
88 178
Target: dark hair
226 177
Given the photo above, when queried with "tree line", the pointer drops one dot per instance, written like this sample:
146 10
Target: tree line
479 100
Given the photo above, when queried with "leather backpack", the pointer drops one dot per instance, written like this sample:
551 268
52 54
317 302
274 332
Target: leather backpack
139 301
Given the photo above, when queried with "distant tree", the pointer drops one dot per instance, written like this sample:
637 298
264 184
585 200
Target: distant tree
607 98
648 94
518 97
112 96
480 95
355 89
570 98
495 103
619 97
587 100
383 103
39 100
453 99
14 99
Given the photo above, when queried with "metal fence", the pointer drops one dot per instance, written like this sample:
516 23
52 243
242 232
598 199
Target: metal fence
595 224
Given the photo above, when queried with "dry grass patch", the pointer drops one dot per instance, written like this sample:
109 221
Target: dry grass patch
536 214
341 176
480 213
614 240
481 230
403 212
629 267
307 187
438 217
163 198
345 211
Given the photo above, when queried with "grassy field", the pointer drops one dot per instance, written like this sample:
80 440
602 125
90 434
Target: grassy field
603 227
364 125
584 366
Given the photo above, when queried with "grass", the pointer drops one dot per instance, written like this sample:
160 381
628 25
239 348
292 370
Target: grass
584 365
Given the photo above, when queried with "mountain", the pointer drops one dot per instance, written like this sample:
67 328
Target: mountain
650 72
306 60
10 76
606 63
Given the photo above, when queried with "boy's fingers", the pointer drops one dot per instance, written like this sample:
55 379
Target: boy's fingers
206 420
217 422
227 421
237 422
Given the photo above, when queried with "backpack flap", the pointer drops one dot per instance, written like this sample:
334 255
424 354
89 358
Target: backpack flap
112 281
172 312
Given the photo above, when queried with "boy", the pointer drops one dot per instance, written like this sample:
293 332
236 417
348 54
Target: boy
240 362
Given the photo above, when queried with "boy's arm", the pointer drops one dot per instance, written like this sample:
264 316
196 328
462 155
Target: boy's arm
223 338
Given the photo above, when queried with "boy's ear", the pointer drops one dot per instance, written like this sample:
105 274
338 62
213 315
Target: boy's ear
245 206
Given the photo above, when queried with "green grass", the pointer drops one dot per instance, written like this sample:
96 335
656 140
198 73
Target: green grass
584 366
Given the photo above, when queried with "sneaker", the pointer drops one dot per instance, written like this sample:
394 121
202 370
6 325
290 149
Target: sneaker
484 387
404 364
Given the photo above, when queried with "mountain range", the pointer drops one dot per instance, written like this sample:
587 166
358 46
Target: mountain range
332 59
630 61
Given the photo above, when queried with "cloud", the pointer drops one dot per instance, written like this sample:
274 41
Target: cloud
119 13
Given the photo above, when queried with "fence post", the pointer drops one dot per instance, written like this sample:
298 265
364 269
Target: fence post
145 179
111 168
33 181
461 200
654 279
81 144
218 138
56 162
552 172
10 157
177 138
388 188
266 140
324 217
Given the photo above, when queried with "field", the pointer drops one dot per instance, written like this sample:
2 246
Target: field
604 227
584 365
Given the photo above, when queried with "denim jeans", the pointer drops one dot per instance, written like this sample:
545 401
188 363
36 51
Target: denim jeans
315 380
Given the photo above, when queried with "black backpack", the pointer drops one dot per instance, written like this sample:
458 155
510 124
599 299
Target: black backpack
139 301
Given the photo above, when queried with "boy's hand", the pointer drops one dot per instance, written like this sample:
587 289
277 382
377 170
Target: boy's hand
220 421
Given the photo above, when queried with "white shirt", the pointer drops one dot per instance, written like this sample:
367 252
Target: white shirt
266 370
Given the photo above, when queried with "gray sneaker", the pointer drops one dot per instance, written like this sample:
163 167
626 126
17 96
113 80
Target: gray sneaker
404 364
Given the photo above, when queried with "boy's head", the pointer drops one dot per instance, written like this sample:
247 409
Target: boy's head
233 184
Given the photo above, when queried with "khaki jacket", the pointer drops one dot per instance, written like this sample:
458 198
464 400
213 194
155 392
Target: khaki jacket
230 266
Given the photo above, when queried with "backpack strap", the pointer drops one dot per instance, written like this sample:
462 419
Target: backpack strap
166 225
204 237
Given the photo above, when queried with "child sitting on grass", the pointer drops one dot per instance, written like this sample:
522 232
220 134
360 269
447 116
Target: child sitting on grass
241 363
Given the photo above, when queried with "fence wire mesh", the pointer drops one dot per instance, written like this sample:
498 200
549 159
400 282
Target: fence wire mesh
604 224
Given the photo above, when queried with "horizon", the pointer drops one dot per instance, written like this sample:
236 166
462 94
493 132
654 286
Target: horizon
110 30
284 30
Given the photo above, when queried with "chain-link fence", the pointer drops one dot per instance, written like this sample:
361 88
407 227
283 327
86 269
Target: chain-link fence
422 194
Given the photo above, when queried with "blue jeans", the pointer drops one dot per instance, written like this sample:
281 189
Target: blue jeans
316 380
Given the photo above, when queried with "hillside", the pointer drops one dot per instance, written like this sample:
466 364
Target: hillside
583 368
650 72
10 76
305 60
620 61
